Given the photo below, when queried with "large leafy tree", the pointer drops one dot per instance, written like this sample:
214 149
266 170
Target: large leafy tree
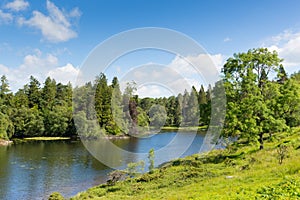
250 108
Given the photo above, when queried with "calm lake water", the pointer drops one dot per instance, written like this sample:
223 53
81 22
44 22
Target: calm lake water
34 170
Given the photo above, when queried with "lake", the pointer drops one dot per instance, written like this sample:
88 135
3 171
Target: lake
33 170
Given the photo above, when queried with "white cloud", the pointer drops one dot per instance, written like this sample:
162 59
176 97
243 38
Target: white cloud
3 69
65 74
56 27
75 12
157 80
40 66
205 67
17 5
153 91
37 62
5 18
227 39
287 44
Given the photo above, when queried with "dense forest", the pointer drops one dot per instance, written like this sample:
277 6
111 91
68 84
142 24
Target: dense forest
48 111
260 98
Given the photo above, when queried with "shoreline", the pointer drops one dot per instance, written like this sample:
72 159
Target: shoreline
110 137
47 138
5 142
246 167
193 128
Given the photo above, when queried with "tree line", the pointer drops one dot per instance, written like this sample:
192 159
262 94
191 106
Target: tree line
260 99
102 107
46 109
36 111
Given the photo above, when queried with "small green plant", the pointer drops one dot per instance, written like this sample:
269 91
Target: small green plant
151 157
134 169
282 151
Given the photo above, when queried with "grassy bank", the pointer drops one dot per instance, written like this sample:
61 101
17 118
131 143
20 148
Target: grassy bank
240 172
195 128
47 138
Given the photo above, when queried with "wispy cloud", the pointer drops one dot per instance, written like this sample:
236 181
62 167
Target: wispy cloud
55 27
17 5
155 80
40 66
5 18
64 74
227 39
287 44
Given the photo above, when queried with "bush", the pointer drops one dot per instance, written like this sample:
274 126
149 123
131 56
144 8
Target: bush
282 151
56 196
288 189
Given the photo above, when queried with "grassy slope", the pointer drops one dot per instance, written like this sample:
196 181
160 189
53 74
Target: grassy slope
245 173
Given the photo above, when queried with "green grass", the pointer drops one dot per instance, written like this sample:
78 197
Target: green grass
235 173
193 128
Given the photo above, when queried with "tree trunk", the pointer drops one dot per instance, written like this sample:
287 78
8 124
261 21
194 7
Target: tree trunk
261 141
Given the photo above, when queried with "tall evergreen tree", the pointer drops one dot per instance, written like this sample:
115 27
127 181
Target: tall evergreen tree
185 108
103 101
117 108
33 92
48 93
282 75
193 114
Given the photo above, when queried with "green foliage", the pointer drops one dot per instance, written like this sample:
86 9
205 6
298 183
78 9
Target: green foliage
56 196
117 108
158 116
287 189
244 173
6 127
289 102
33 92
282 151
48 94
133 169
142 118
151 157
103 100
254 103
36 111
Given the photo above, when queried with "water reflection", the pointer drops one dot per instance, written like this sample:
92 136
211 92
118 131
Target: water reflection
34 170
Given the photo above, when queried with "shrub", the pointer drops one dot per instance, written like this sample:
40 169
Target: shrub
282 151
56 196
288 189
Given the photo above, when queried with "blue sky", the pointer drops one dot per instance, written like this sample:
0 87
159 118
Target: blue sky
53 37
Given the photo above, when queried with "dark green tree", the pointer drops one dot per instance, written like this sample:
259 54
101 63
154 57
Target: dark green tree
33 92
48 94
117 108
103 101
245 78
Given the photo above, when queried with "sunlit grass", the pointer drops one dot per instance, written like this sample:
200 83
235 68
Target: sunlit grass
245 173
47 138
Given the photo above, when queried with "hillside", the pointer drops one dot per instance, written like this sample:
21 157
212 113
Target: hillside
238 172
